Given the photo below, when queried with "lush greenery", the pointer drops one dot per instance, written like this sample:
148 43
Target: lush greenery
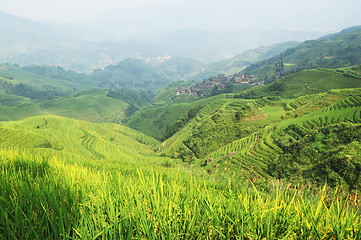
53 199
332 51
42 78
305 82
241 61
229 135
280 161
328 154
134 98
64 178
58 73
94 106
308 140
132 73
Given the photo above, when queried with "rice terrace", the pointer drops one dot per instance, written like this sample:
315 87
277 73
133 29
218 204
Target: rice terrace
132 126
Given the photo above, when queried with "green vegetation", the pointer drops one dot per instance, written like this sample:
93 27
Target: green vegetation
94 106
160 119
333 51
157 121
169 94
310 140
328 154
132 73
239 62
279 161
64 178
53 199
221 120
303 83
181 68
36 80
59 73
96 144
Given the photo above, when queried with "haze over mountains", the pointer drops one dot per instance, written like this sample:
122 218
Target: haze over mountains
87 45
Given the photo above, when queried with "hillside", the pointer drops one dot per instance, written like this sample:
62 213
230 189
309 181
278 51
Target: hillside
161 120
181 68
145 122
332 51
243 60
301 144
306 82
94 106
34 79
133 73
42 82
239 134
259 139
76 140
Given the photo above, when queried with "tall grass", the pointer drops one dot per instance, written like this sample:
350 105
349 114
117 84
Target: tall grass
50 199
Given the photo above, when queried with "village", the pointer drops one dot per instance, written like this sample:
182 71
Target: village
219 82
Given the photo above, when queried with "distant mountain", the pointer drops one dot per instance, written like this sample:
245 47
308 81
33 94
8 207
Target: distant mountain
95 44
28 42
43 81
32 80
242 60
133 73
211 46
250 56
332 51
181 68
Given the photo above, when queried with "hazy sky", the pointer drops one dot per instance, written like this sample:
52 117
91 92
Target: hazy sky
327 15
68 10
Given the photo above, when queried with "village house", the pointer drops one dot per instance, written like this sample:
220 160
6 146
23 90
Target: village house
219 82
257 83
181 91
245 81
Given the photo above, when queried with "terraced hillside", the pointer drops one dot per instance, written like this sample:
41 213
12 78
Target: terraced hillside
220 123
75 140
305 83
261 152
93 106
160 120
201 127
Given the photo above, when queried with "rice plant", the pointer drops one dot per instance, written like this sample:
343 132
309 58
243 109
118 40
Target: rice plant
50 199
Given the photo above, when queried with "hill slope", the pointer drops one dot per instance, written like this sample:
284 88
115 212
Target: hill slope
241 61
311 123
132 73
166 117
332 51
94 106
35 78
247 135
307 82
76 140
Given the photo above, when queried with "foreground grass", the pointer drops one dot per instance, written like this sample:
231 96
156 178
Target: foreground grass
50 199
